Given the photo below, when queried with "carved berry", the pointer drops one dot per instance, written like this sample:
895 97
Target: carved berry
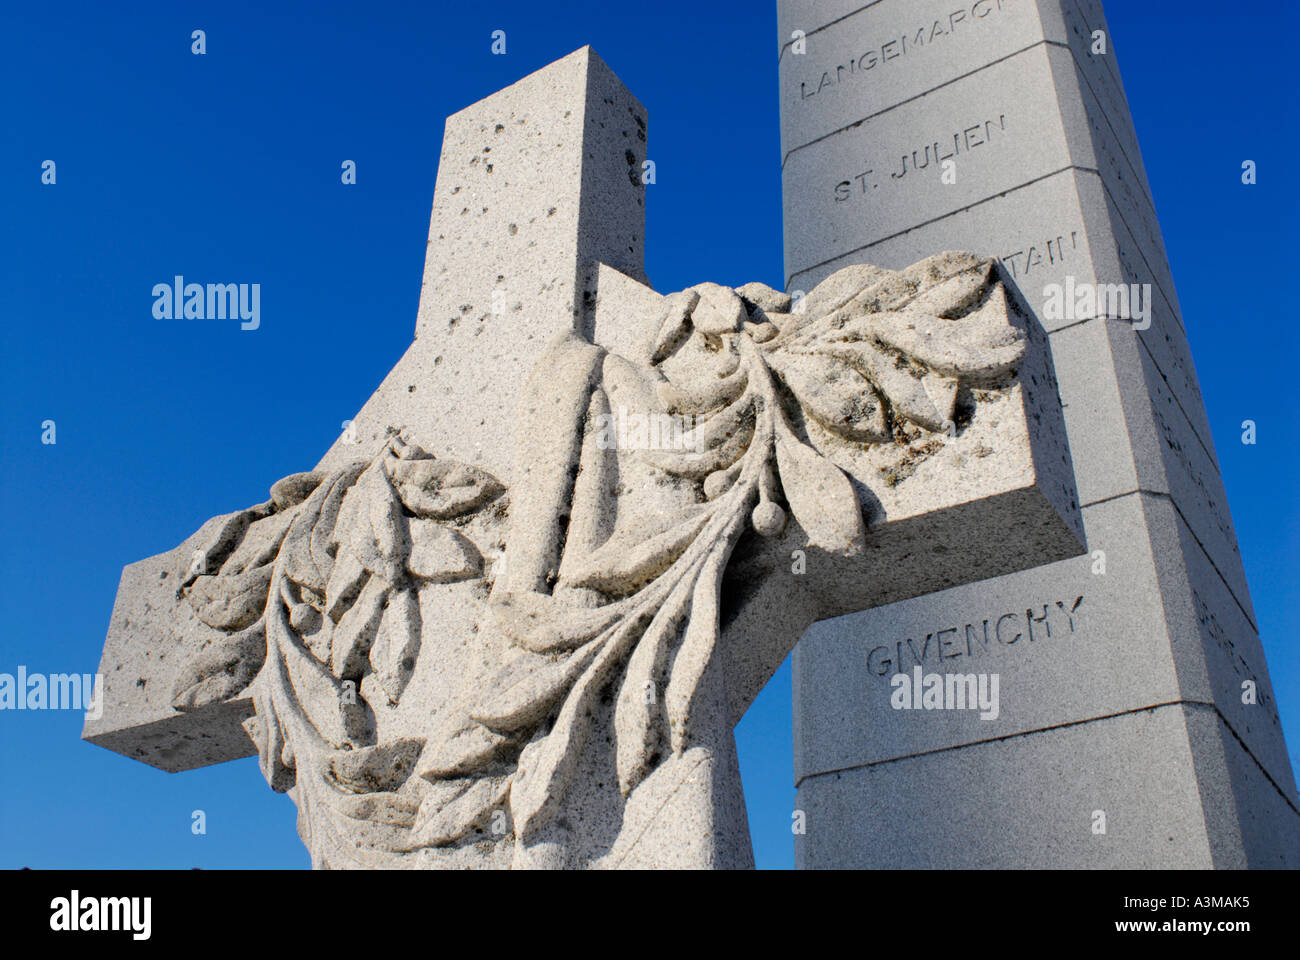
768 518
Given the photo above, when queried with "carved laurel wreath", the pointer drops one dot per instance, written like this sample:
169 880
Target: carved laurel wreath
317 591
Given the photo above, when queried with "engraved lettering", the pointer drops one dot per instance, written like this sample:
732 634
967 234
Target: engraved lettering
1031 620
916 38
920 657
979 635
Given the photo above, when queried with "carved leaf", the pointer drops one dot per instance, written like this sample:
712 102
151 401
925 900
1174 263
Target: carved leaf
387 526
546 764
380 768
221 670
397 643
231 602
394 809
944 345
321 542
349 521
542 624
700 642
302 564
345 583
638 713
440 554
445 819
820 496
376 530
259 544
461 747
294 489
840 287
441 489
634 554
527 688
357 629
905 393
956 294
226 533
835 395
318 694
718 311
674 324
267 734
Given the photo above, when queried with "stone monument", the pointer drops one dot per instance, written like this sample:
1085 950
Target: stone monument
1137 724
511 618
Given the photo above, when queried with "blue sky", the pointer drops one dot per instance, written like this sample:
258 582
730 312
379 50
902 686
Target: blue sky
227 166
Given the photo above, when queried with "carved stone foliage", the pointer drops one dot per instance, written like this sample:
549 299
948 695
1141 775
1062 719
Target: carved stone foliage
317 592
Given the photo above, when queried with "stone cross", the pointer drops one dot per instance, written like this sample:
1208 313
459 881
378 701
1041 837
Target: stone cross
1138 726
512 616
